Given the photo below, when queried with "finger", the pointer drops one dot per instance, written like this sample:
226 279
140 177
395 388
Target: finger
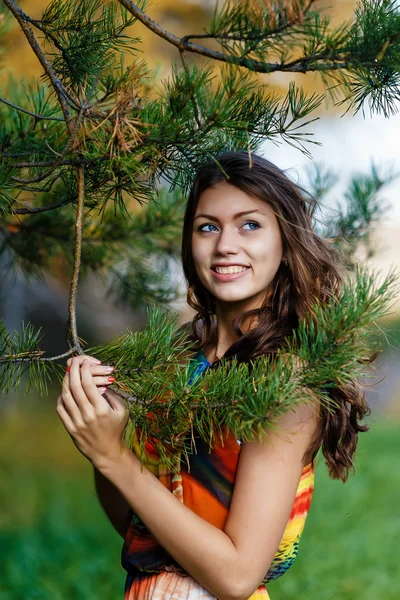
98 370
70 404
89 387
81 357
64 416
101 370
76 388
100 381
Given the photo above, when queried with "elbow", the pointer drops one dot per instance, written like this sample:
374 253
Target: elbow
237 594
238 588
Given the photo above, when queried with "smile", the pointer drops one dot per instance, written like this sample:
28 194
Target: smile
229 273
233 269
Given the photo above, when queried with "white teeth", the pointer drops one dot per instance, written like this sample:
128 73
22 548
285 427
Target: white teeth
226 270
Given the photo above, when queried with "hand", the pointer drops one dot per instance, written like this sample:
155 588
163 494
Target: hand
102 374
95 424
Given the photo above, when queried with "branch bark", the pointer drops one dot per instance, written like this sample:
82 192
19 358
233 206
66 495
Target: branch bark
71 324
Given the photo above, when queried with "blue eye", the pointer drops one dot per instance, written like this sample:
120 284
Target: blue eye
254 225
202 227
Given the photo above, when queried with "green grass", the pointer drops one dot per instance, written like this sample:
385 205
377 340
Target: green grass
350 546
55 543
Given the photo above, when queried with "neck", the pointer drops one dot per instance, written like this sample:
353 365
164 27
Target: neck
225 335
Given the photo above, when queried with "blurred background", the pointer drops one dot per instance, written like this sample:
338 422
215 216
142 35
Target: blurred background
55 542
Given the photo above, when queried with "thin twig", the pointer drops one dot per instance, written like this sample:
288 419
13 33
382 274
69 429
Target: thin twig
19 154
41 165
28 112
14 358
71 325
73 162
29 211
50 148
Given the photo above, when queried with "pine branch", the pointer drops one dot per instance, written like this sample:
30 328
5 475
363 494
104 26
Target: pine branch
20 356
355 217
355 55
328 349
31 114
71 139
167 402
255 37
62 94
253 65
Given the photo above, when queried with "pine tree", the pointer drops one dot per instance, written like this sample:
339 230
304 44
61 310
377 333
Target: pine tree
93 137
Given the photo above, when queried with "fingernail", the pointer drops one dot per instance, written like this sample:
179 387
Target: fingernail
96 362
102 390
111 379
108 369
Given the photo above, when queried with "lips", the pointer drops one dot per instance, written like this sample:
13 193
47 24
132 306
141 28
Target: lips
230 274
231 269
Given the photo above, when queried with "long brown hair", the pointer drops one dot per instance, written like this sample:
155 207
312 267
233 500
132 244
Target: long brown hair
313 273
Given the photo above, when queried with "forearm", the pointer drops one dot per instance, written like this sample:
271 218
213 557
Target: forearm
113 503
202 549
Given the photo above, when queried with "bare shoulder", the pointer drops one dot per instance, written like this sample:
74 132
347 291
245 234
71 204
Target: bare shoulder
288 438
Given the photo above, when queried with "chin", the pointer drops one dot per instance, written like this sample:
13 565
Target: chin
231 299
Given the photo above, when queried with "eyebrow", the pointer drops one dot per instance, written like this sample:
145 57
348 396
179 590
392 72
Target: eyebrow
240 214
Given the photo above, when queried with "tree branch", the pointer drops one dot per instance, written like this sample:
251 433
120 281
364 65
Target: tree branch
29 211
34 356
28 112
60 90
69 162
298 66
71 324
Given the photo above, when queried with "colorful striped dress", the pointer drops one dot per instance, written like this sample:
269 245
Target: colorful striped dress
204 484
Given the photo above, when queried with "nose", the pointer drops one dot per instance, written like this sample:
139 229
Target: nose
228 242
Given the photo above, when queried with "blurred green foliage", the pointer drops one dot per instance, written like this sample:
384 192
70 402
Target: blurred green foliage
56 544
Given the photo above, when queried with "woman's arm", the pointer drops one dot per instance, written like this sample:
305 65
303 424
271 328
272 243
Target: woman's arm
230 563
113 503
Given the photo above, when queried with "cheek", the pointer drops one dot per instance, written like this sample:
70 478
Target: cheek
270 251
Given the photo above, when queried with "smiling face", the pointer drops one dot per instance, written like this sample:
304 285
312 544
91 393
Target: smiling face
236 246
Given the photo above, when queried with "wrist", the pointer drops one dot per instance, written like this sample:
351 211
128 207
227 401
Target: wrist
115 466
108 461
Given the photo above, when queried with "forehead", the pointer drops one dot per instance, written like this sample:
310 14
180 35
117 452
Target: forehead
225 200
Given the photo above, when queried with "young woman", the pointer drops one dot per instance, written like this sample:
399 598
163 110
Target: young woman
231 520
